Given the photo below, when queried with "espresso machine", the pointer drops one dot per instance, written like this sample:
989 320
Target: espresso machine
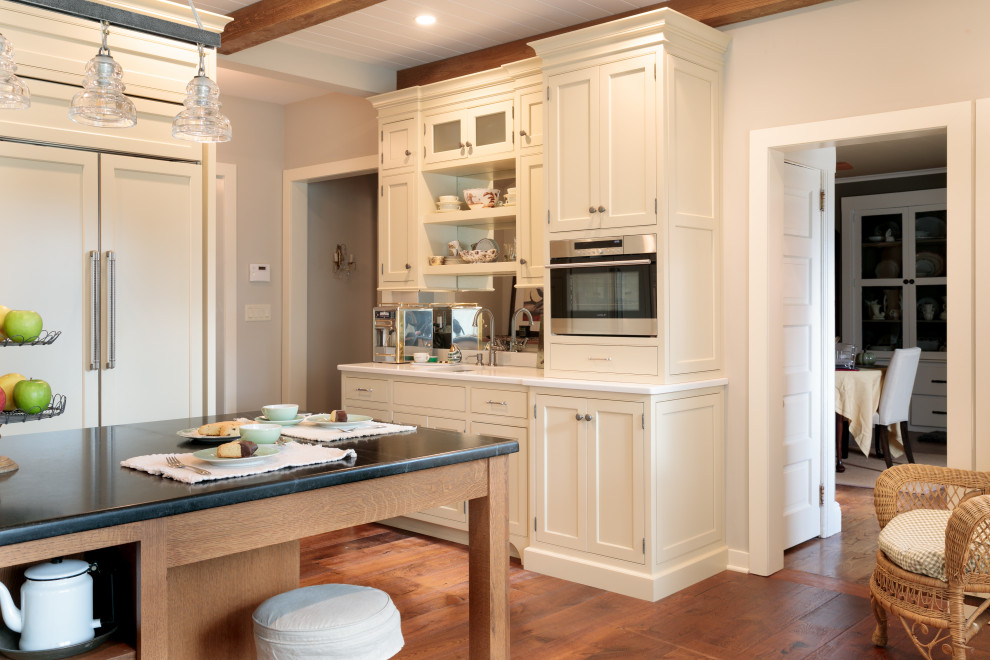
452 325
401 329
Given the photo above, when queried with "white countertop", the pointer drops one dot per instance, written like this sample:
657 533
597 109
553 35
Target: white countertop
526 376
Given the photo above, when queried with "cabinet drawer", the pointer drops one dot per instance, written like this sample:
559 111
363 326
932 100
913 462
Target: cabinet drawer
636 360
928 410
930 379
504 403
434 397
372 390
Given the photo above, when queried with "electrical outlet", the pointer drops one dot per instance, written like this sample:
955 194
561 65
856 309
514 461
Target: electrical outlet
257 312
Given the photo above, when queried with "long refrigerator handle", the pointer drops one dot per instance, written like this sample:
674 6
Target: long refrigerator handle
112 309
94 318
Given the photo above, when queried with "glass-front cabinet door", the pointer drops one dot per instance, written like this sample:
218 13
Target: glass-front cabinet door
894 276
480 131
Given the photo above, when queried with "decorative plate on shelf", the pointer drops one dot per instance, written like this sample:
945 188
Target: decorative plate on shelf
929 264
486 244
931 225
887 268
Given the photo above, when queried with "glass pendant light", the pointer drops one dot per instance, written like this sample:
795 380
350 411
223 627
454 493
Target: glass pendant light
202 121
14 94
101 101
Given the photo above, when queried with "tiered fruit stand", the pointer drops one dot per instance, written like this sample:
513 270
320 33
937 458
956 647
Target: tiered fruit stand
54 409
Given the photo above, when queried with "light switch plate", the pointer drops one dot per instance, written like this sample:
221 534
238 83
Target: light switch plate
257 312
260 273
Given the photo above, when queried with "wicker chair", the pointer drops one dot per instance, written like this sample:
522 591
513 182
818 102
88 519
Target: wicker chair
937 615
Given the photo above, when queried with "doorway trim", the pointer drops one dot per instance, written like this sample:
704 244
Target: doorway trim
295 218
227 172
765 455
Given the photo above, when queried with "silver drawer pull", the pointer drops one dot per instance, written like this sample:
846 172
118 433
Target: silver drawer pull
497 403
364 389
604 359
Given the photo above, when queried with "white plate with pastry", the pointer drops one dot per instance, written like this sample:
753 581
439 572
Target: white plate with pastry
214 431
353 421
210 456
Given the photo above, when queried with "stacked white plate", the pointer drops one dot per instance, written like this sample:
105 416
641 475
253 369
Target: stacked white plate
447 206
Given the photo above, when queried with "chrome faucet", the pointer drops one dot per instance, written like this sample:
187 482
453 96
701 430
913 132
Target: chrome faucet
491 332
514 344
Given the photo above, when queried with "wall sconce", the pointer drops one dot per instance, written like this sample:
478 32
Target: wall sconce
343 261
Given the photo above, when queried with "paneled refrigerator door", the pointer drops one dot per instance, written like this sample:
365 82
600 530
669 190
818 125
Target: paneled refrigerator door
152 251
48 227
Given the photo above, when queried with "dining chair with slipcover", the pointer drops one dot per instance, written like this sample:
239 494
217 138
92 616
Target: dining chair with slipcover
933 560
895 401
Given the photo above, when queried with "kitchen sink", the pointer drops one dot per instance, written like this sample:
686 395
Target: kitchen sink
443 367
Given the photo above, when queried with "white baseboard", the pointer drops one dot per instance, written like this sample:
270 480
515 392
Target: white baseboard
738 561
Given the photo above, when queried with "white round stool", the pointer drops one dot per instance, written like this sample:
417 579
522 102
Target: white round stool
328 621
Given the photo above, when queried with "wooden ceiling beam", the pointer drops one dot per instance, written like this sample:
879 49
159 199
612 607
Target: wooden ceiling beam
270 19
715 13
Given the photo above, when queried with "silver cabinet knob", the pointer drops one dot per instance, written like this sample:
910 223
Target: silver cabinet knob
468 144
592 209
462 145
523 133
601 209
578 417
588 418
408 267
522 261
408 153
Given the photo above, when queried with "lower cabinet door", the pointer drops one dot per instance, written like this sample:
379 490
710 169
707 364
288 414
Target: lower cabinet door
561 471
518 477
616 463
456 512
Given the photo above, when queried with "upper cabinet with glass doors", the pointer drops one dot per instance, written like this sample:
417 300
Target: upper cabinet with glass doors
475 132
894 272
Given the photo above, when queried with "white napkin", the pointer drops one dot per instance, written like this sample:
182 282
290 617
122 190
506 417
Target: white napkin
291 454
312 432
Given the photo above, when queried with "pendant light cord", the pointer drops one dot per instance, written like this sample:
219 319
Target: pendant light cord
202 52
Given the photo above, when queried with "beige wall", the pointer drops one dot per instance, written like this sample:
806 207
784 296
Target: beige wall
339 307
840 59
329 128
257 151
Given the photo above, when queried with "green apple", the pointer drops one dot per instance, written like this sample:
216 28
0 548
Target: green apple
7 383
3 312
32 396
22 325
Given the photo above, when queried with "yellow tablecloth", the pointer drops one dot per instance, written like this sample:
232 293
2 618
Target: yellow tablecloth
857 397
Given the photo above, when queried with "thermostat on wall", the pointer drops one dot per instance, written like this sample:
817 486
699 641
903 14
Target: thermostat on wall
260 273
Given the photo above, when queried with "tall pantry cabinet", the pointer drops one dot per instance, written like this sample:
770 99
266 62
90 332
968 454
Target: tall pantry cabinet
103 229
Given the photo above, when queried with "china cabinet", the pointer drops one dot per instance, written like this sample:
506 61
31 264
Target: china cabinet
894 287
472 132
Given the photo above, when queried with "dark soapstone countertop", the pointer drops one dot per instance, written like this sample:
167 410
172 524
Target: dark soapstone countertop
72 481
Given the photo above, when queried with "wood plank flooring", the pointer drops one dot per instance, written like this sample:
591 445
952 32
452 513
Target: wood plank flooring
817 607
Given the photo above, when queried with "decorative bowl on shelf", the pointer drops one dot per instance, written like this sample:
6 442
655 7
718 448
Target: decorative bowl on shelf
478 198
479 256
445 207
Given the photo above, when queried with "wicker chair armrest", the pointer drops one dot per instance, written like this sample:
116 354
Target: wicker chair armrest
913 486
967 542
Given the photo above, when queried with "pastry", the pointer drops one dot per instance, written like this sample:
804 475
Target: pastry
338 416
219 428
236 449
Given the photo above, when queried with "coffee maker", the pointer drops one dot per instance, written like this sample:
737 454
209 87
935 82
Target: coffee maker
401 329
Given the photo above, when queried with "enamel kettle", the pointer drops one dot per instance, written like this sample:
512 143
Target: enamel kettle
56 605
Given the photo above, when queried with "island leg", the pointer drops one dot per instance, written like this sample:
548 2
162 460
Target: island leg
488 590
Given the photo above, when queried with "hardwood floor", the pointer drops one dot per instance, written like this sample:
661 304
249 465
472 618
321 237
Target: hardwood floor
817 607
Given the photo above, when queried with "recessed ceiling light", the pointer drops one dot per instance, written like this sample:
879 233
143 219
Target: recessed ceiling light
426 19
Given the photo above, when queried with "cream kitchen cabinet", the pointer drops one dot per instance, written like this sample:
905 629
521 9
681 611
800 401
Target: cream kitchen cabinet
530 244
602 147
398 144
529 119
475 132
590 476
398 265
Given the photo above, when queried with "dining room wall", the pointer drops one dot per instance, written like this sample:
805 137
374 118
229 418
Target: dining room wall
838 59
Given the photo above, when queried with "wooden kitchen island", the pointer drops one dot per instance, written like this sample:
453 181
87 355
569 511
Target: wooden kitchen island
193 561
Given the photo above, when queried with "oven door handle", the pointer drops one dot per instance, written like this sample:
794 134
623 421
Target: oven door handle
602 264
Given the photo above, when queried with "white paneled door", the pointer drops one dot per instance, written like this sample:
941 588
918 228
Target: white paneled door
108 249
802 335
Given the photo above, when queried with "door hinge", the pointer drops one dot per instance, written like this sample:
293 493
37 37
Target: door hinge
513 112
821 494
654 70
821 200
534 411
644 421
548 92
548 216
382 192
383 159
383 269
424 128
383 137
644 545
534 523
424 152
656 206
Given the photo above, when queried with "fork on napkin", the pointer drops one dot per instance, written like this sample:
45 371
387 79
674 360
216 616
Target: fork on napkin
291 454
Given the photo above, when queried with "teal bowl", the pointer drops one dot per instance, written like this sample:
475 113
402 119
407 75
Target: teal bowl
261 434
280 412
